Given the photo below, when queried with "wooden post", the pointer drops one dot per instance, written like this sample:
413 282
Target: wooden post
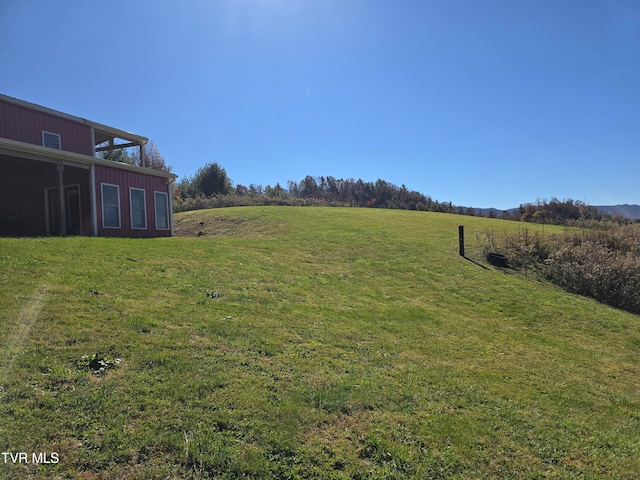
63 209
461 239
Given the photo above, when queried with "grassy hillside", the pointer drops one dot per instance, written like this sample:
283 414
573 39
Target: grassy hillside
291 342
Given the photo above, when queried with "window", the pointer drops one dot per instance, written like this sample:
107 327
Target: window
110 206
162 210
51 140
138 205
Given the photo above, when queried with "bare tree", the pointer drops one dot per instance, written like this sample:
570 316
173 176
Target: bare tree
153 158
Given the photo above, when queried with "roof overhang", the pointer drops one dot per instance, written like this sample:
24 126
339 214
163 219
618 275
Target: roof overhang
103 133
51 155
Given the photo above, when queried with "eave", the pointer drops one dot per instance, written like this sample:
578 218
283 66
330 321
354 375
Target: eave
44 154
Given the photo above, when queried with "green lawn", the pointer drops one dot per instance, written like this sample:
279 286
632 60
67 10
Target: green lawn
290 342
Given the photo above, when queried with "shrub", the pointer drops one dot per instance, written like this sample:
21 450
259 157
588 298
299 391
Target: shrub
596 271
220 201
601 262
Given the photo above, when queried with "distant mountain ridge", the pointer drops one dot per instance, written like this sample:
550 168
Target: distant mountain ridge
632 212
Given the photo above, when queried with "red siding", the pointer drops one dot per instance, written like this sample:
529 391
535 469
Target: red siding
126 179
26 125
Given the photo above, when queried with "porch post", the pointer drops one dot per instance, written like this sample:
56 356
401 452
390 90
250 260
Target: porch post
173 232
143 161
63 209
94 209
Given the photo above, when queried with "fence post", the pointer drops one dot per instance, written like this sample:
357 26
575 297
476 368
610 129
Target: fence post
461 239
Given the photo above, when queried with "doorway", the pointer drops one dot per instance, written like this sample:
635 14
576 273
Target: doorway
72 210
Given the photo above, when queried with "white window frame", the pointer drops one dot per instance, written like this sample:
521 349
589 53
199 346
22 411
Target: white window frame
144 212
166 203
44 144
102 185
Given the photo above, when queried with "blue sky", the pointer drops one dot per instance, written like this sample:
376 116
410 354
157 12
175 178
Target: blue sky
479 102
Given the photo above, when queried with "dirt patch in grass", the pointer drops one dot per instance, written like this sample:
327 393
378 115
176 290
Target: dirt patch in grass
201 225
219 223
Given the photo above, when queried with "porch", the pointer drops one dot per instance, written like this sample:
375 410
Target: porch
39 198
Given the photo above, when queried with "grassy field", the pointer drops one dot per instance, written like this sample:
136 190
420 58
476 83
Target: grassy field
283 342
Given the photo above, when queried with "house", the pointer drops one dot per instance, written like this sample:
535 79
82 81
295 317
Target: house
51 182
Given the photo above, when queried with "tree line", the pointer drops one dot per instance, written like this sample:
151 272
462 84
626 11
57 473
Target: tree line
559 212
211 187
211 181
